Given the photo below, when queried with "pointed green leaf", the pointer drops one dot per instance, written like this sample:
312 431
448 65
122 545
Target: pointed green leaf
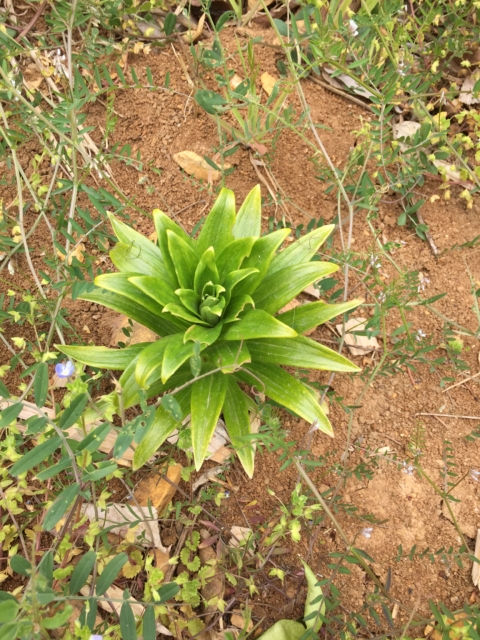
237 421
10 414
162 427
103 357
128 628
313 314
256 323
35 456
110 573
299 352
234 277
206 271
148 367
249 216
127 235
260 257
149 627
72 413
231 258
163 224
208 395
60 506
170 404
284 630
40 384
181 312
20 565
184 258
189 299
94 439
236 305
128 259
204 335
302 250
282 286
217 230
120 283
159 325
176 353
228 355
283 388
132 392
315 602
81 572
155 288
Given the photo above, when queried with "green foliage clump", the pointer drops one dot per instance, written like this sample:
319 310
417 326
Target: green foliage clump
215 302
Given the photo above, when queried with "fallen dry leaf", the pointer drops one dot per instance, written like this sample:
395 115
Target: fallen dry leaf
115 593
119 518
357 345
75 252
450 172
405 129
238 620
221 455
138 334
196 166
192 36
312 291
466 92
157 491
235 80
268 83
205 477
240 536
343 80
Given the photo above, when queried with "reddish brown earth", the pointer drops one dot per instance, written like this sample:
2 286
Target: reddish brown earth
159 124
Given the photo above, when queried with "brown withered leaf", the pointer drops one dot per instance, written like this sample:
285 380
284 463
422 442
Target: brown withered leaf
198 167
157 491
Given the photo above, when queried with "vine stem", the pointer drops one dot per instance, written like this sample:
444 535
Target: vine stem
329 513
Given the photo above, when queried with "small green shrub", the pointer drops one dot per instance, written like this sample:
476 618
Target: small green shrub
214 301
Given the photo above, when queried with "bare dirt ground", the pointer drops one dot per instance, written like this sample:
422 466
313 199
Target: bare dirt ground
406 508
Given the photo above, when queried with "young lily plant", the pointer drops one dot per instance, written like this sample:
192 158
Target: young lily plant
215 302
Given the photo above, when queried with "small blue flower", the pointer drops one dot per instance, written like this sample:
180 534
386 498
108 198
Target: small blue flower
65 370
96 637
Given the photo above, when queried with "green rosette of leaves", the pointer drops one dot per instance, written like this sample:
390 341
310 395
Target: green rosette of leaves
214 302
